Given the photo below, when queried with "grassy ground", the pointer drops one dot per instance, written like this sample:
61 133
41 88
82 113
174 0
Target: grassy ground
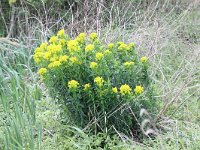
30 118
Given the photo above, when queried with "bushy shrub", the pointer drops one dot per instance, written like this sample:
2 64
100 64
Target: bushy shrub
97 84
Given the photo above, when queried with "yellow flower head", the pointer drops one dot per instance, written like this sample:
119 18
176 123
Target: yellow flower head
63 58
138 89
107 52
129 64
114 90
73 46
110 46
123 46
54 64
93 65
99 56
87 86
143 59
81 37
56 48
43 46
131 45
61 32
36 60
38 57
54 58
50 47
38 54
42 71
99 81
93 36
74 59
38 49
53 39
119 43
62 41
89 47
125 89
47 55
73 84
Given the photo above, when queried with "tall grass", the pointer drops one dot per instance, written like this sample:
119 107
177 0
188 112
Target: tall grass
18 123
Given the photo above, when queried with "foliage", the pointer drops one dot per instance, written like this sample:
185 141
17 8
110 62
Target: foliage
96 82
18 128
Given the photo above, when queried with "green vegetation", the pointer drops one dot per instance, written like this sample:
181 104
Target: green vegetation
166 32
99 86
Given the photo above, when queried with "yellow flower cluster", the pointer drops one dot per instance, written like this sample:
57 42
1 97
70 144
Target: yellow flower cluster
47 55
143 59
42 71
74 60
54 49
123 46
47 52
39 52
129 64
93 65
62 42
119 43
81 38
93 36
131 45
54 58
73 46
63 58
99 81
38 57
138 89
99 56
125 89
61 32
54 64
87 86
107 52
89 47
73 84
114 90
110 46
43 45
61 51
53 39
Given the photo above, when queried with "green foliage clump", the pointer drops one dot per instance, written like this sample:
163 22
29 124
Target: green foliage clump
104 86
